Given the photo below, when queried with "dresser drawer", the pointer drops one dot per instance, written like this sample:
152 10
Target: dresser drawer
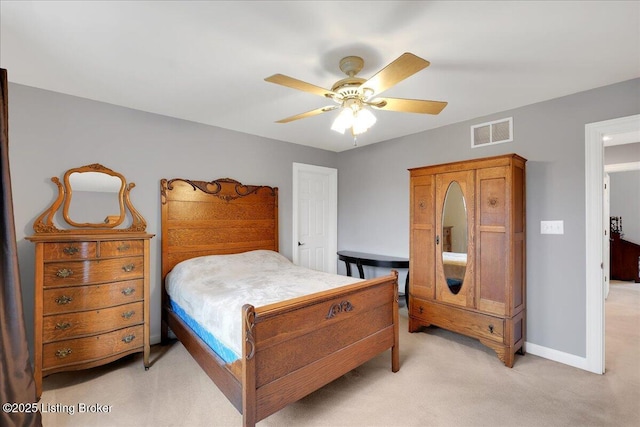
70 250
80 350
456 319
94 271
80 298
69 325
120 248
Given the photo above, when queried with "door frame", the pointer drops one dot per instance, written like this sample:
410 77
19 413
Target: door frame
606 238
332 220
594 193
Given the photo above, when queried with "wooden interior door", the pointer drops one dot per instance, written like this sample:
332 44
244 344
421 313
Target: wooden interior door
315 204
453 284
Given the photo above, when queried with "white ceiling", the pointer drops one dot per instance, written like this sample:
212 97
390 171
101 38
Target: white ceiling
206 61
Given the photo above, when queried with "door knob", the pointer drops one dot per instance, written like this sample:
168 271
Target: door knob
300 244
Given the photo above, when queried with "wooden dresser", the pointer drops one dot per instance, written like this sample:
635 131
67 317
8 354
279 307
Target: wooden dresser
91 286
479 289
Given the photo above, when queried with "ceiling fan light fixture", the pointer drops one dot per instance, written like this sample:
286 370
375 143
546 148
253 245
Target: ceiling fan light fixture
362 121
344 120
357 118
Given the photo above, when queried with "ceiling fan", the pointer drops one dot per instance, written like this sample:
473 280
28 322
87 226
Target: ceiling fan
353 94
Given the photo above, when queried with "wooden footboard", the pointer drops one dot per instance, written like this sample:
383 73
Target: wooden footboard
295 347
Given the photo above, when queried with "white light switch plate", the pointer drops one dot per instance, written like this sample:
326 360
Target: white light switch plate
552 227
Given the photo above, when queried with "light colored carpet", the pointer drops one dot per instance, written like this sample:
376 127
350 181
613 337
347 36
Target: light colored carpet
445 379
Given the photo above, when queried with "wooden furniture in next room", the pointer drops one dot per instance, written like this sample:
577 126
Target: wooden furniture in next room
290 348
479 289
91 280
625 259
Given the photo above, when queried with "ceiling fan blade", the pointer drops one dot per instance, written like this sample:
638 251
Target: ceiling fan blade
309 114
283 80
406 65
408 105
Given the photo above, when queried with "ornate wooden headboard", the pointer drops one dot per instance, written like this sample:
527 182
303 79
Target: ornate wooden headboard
217 217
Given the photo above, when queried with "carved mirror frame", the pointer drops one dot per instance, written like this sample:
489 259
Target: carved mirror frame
45 222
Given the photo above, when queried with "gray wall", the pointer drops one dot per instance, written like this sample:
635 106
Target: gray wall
50 133
374 198
624 201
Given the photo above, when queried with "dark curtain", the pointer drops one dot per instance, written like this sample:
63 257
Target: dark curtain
16 375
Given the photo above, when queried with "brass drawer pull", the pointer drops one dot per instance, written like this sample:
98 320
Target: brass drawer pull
128 314
128 268
63 299
70 250
64 273
62 326
128 338
63 352
124 247
128 291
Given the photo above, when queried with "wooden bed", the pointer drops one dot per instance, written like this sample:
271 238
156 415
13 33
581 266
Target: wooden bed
291 348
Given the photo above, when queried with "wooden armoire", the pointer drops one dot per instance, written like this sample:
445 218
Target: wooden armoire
476 286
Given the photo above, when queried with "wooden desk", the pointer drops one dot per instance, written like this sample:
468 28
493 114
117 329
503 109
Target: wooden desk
374 260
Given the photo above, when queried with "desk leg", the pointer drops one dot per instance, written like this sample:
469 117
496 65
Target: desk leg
346 263
360 270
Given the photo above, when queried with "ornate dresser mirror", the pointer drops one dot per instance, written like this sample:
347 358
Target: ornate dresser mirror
92 275
93 197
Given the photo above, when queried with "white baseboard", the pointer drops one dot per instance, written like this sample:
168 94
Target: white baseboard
556 356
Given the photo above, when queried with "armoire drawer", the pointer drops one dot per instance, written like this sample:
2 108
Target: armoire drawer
70 250
91 297
79 350
71 325
93 271
120 248
459 320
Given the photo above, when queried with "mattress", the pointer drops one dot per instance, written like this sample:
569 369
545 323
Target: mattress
208 292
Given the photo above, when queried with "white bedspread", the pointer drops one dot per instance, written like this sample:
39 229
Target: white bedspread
213 289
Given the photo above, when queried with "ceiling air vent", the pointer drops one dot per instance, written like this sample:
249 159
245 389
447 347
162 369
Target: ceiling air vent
490 133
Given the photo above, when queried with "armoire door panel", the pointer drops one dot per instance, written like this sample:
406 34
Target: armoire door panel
422 245
518 200
422 256
518 274
493 263
422 196
466 293
492 200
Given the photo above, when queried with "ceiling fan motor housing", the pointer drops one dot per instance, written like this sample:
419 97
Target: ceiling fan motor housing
350 87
